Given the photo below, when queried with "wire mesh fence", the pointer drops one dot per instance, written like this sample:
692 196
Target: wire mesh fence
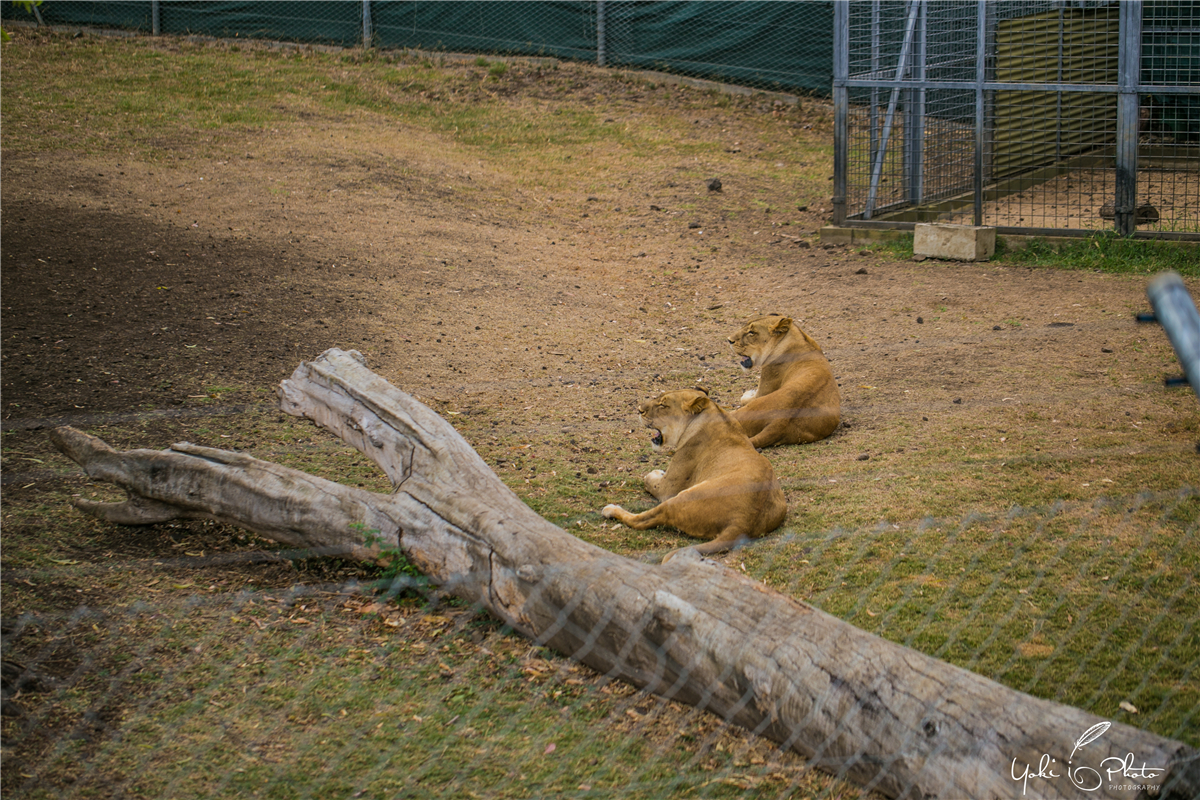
353 687
781 47
336 686
1026 116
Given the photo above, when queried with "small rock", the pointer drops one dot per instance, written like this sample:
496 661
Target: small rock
997 328
591 470
714 185
864 457
920 320
919 257
861 271
692 225
1106 350
958 401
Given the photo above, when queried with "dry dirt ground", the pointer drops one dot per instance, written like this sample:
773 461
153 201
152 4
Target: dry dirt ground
129 285
186 286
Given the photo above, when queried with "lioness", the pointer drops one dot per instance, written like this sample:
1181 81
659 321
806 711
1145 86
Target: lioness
797 399
717 487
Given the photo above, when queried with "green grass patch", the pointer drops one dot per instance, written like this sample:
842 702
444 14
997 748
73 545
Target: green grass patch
1102 252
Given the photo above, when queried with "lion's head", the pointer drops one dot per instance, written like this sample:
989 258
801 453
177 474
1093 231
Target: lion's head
669 414
766 338
757 339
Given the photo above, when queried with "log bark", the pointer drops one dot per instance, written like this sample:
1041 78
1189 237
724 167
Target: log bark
882 715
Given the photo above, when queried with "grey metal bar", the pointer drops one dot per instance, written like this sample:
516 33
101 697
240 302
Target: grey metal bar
155 25
1129 65
914 118
1176 311
901 66
367 34
873 116
600 43
1058 74
980 77
841 102
1049 86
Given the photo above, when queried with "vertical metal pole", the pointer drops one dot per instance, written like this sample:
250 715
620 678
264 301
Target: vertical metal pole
366 25
155 26
1129 65
600 43
980 77
841 101
914 118
1058 120
874 112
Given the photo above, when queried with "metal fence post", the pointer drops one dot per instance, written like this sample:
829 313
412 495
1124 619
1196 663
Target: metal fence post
366 24
980 78
600 33
155 26
914 118
1129 65
841 99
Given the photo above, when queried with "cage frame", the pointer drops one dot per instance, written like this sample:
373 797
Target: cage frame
907 77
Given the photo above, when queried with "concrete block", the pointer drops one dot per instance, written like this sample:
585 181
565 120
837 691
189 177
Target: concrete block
954 242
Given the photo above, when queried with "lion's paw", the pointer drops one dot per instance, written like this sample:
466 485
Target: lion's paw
610 510
748 396
655 475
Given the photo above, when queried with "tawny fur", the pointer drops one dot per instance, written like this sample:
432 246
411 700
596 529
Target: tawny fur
717 488
797 400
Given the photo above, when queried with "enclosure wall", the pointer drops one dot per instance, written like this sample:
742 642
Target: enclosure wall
766 45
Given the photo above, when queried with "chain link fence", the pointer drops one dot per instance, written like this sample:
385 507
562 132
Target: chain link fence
336 687
1032 117
784 47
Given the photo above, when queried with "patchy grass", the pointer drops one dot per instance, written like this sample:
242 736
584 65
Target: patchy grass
1101 252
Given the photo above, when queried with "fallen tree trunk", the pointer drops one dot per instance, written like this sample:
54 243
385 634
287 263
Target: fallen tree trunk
883 716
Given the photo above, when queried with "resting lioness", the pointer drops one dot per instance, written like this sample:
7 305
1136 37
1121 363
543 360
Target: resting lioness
717 487
797 399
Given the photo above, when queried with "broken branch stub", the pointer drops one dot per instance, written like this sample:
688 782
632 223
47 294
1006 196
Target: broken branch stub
879 714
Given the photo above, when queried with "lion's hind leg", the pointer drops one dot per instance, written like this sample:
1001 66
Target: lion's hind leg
653 518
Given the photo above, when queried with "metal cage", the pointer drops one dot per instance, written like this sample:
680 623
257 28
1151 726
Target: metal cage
1032 116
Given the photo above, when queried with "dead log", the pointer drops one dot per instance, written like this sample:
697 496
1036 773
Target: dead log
884 716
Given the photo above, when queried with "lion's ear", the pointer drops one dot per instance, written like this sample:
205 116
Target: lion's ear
698 404
781 327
